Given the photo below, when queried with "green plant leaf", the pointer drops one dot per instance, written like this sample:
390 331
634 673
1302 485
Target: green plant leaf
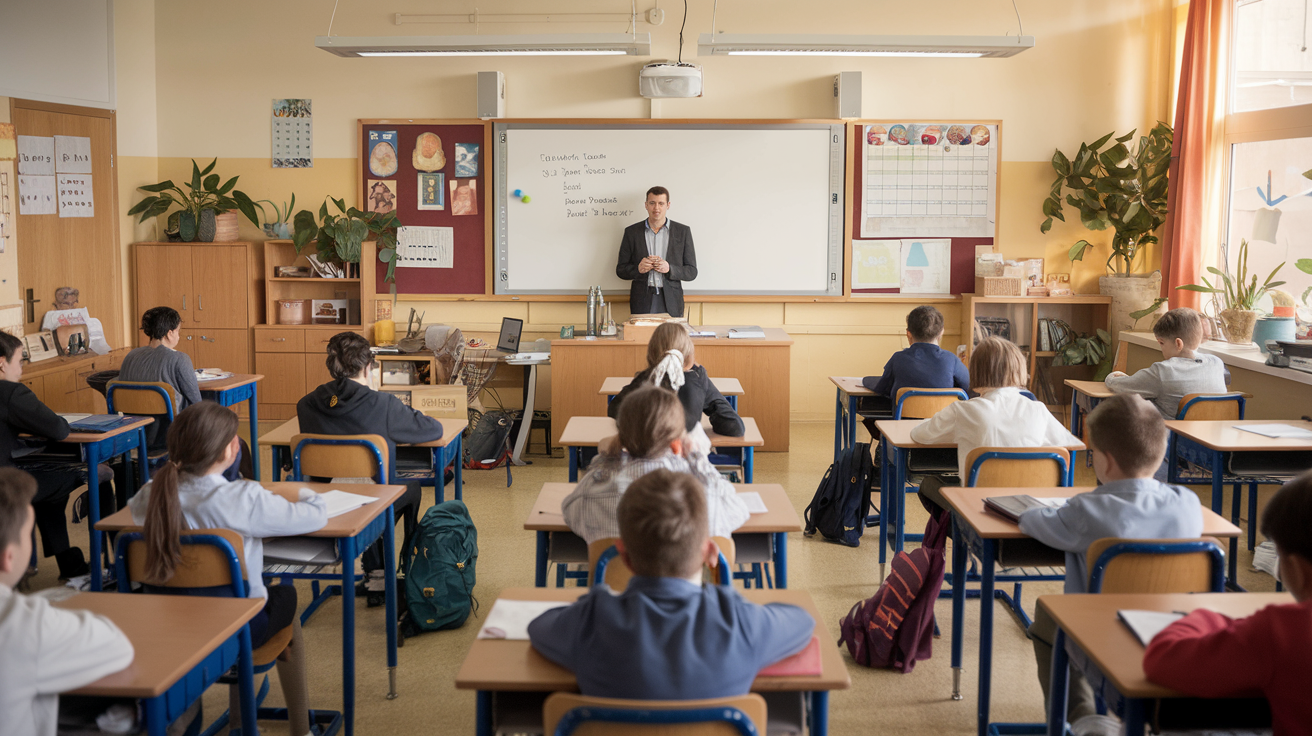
1077 251
304 229
1306 292
1196 287
246 206
209 168
157 187
1127 136
227 187
1141 313
1308 174
341 204
143 205
211 183
1099 143
195 176
1304 265
1044 228
1061 164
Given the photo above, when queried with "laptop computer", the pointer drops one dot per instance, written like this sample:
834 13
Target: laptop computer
508 340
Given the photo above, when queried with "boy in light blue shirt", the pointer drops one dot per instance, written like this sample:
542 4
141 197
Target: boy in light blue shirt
1182 372
668 636
1127 438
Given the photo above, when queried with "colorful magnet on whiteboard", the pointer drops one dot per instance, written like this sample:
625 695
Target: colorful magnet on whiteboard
525 199
519 193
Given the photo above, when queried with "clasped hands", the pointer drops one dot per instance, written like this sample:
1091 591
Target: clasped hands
654 262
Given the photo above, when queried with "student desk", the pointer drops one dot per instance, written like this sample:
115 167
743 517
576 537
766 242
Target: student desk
546 519
233 390
354 532
98 447
849 391
983 533
1085 395
445 451
590 431
1091 637
730 388
500 666
182 644
762 365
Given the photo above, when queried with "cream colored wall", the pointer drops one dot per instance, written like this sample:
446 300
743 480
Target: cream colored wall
1095 67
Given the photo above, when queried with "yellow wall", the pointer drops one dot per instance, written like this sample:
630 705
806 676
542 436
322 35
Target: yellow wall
216 67
9 294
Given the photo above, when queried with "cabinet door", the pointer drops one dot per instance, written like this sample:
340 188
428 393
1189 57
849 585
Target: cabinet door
163 280
37 385
226 349
187 341
284 377
219 278
316 371
61 391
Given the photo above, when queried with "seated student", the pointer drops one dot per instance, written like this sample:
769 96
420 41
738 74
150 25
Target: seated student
670 363
681 640
1208 655
1126 439
651 436
46 650
21 412
347 405
999 417
1183 372
190 492
922 365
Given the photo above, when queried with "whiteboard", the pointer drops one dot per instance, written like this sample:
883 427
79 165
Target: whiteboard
763 202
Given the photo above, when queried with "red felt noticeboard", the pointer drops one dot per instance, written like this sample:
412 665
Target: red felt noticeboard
962 279
469 231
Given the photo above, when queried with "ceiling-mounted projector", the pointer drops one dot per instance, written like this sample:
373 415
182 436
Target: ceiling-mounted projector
670 79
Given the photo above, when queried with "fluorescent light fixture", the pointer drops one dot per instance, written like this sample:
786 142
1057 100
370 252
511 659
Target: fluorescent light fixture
560 44
795 44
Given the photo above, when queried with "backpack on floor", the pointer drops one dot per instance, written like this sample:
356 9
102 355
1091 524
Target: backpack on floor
838 509
894 628
487 442
439 580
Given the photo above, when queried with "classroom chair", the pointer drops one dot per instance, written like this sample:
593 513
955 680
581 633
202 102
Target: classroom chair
142 398
212 565
602 556
1157 566
570 713
923 403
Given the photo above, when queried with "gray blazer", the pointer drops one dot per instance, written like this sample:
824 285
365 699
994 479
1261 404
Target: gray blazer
682 259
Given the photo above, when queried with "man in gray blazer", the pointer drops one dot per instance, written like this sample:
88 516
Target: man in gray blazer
657 256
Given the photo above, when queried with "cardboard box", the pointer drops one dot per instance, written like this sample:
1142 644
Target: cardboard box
441 402
1000 286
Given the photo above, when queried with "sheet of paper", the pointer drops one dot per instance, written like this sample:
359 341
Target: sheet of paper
293 134
1277 431
36 155
340 502
926 266
1147 624
509 619
1055 503
300 549
73 417
703 333
876 264
72 154
76 198
36 195
425 247
212 374
753 501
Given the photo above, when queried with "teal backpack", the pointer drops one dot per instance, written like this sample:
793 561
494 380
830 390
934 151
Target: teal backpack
439 580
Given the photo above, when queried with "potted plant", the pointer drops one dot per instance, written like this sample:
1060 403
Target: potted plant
338 237
280 226
1114 186
1239 295
199 207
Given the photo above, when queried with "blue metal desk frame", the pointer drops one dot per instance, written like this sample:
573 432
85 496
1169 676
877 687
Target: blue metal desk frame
442 457
845 418
778 543
167 707
95 452
235 395
575 453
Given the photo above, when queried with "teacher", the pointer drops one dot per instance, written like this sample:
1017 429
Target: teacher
657 256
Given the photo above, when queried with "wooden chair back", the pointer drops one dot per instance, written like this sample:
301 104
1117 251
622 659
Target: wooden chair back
616 574
923 403
1156 566
1227 407
571 713
202 565
340 456
146 398
1018 467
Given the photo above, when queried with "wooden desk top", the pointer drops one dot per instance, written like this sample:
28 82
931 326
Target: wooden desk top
897 432
1092 389
500 665
82 438
615 384
1222 435
851 385
546 515
774 336
283 434
56 364
1091 621
233 381
969 505
170 633
590 431
348 524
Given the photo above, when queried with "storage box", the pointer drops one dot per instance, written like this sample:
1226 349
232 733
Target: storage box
1000 286
293 311
397 373
329 311
640 329
441 402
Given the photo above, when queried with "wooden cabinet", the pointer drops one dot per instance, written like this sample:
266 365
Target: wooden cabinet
217 348
61 383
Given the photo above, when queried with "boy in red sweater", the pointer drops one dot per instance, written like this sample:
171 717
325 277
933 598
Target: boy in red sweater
1208 655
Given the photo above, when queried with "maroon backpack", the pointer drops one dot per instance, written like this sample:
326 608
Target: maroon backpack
895 627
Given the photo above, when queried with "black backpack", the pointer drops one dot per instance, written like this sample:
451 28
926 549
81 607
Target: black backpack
840 505
487 442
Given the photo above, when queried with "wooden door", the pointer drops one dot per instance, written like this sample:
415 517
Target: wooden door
219 283
82 252
163 276
226 349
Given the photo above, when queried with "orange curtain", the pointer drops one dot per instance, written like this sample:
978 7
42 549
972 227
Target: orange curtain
1194 199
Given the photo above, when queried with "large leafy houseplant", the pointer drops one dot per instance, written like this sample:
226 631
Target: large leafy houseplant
338 237
1092 349
204 192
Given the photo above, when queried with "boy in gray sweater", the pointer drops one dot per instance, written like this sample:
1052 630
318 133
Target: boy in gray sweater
162 361
1183 372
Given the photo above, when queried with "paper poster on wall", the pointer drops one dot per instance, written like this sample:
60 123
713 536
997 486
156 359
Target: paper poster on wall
75 196
926 266
466 160
72 154
382 152
8 144
876 264
6 210
36 155
293 134
381 196
929 180
36 195
432 191
464 196
428 154
425 247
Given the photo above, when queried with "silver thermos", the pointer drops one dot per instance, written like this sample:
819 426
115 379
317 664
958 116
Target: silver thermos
593 295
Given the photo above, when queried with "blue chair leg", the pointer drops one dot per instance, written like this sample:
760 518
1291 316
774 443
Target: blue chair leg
560 574
1252 516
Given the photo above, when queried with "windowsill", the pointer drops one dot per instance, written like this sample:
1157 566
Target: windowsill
1248 357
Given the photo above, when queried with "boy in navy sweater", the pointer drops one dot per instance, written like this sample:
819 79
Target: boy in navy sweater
922 365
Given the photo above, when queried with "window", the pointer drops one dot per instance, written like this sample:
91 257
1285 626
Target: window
1272 66
1271 207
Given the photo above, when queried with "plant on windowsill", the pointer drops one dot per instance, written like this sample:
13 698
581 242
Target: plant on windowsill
199 206
338 237
1238 296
